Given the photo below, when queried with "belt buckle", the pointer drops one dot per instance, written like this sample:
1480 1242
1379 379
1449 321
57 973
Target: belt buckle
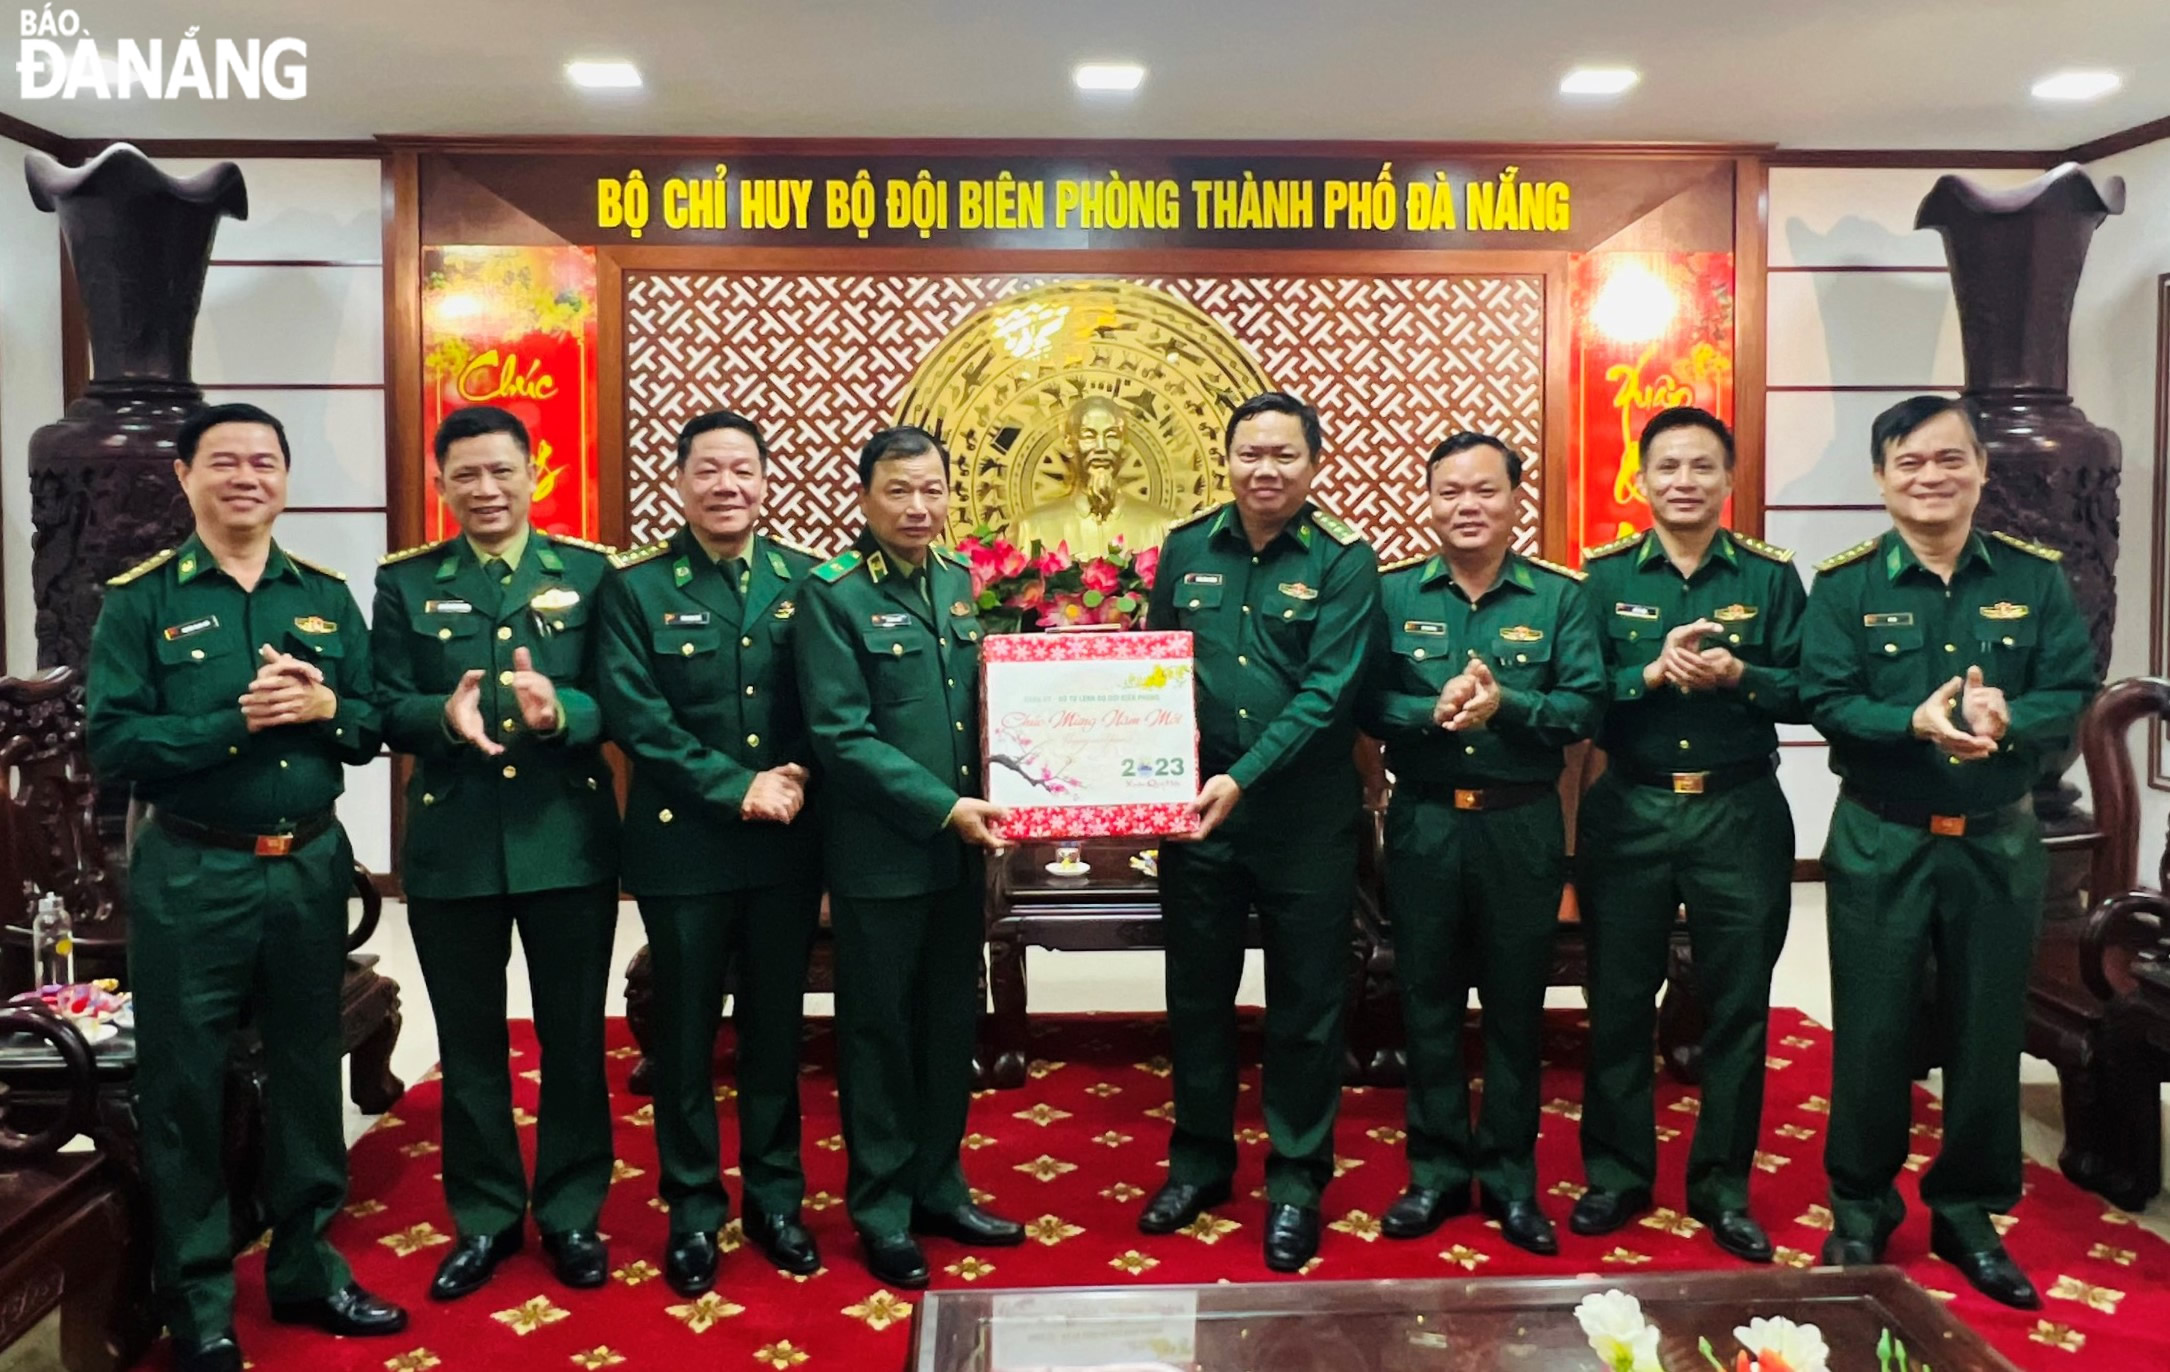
274 845
1949 826
1468 800
1689 783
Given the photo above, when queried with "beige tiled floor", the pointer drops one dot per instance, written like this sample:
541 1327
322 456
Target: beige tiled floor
1132 981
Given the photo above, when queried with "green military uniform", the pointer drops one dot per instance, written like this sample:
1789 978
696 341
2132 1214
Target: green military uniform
699 688
1928 853
525 839
1280 637
1476 850
888 668
218 934
1689 812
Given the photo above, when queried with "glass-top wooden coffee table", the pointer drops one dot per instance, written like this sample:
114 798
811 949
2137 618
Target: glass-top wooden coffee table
1526 1324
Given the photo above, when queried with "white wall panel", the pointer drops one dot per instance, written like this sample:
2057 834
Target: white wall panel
1863 329
265 325
312 209
351 543
1852 216
366 811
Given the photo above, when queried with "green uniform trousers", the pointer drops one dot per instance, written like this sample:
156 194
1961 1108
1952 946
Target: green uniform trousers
1302 884
907 1011
1475 898
1899 895
463 946
765 935
219 938
1641 854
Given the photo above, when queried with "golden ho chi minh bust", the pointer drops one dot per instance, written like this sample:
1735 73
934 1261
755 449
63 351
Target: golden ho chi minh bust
1095 510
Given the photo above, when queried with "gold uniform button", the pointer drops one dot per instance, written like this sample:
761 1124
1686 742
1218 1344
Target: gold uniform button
444 633
1288 614
896 650
1521 657
975 636
1471 750
1733 638
1634 634
1246 609
1243 714
753 740
511 772
591 783
745 643
949 681
1683 745
663 816
504 678
960 726
1242 661
504 631
1751 695
505 724
749 690
964 771
685 650
1891 647
428 799
282 764
233 752
1951 647
2008 643
339 733
1194 604
196 653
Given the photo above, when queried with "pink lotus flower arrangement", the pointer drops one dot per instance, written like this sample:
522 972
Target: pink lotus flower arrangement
1052 588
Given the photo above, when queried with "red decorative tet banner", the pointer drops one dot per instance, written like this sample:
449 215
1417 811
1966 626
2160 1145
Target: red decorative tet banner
1652 330
515 328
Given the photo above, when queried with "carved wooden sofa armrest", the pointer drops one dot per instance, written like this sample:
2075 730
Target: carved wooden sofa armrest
75 1054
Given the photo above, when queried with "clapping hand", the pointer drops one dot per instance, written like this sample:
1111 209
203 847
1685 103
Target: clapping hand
776 795
1933 720
1469 700
535 693
286 690
1984 707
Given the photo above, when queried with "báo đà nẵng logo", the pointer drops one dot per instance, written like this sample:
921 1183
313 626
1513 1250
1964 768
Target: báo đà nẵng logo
62 60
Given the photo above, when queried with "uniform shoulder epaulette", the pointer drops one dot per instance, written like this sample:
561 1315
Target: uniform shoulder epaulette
1186 521
1556 569
416 551
633 557
1618 545
333 572
1334 527
151 563
2046 554
1853 554
951 555
801 549
1405 564
840 566
1762 549
604 548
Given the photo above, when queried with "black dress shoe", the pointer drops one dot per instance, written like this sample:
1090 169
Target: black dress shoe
1736 1231
1419 1210
1523 1224
1178 1203
969 1225
689 1263
1991 1269
580 1257
894 1259
1292 1236
783 1240
472 1262
1601 1212
350 1313
219 1354
1839 1251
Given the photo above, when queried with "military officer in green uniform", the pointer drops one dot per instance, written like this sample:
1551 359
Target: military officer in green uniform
1702 640
1947 669
229 685
1488 666
698 688
888 667
485 673
1281 598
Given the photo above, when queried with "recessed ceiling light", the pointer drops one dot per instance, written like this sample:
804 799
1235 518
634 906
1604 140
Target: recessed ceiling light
2077 85
603 75
1108 76
1598 80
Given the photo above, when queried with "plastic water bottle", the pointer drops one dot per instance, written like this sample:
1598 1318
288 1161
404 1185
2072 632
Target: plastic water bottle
52 942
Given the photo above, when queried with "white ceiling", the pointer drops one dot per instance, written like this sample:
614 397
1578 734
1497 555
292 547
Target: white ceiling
1811 73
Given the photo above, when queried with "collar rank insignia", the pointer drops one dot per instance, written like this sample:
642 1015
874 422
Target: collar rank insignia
1733 614
2005 609
555 598
1521 633
1296 590
315 624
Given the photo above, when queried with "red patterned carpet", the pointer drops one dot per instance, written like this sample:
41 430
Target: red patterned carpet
1072 1153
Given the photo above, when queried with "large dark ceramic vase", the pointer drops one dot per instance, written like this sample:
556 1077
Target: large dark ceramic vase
102 492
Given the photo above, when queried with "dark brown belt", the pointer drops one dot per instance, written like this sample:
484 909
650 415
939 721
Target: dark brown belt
281 844
1497 795
1951 825
1712 782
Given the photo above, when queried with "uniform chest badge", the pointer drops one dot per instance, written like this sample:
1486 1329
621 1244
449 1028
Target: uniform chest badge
447 607
2005 609
1895 619
1431 627
960 609
892 619
1296 590
1627 611
315 624
786 610
1521 633
1201 578
554 599
1733 614
194 626
679 619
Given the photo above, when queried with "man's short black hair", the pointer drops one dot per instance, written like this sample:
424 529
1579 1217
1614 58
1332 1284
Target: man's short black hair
720 419
1278 402
1897 423
476 421
1462 442
211 416
905 440
1687 417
